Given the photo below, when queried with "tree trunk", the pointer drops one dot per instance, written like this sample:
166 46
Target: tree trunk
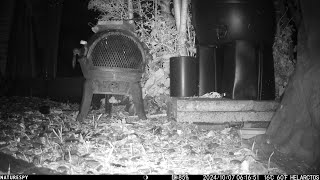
177 10
181 13
295 127
183 28
130 11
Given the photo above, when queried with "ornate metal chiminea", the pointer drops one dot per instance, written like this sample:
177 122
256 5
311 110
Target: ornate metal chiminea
112 62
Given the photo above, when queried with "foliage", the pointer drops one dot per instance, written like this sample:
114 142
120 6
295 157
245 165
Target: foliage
110 9
283 50
158 31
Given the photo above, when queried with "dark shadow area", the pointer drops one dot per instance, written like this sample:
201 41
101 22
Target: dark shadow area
288 164
76 23
18 166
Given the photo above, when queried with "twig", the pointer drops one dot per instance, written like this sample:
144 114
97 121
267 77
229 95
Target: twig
253 144
283 15
69 153
110 153
60 134
143 149
270 160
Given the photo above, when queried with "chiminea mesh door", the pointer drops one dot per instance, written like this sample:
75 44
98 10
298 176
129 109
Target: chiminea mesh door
116 50
113 64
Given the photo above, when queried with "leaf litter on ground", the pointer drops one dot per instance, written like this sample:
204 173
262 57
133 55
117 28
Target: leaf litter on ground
119 144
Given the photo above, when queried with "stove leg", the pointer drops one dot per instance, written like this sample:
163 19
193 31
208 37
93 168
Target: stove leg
130 109
136 93
107 105
86 100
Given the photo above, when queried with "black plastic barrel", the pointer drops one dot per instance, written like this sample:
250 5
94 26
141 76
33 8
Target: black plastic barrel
210 68
184 76
223 21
